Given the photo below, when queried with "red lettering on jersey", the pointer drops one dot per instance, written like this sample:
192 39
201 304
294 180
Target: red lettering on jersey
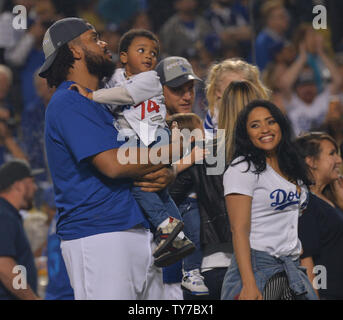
152 106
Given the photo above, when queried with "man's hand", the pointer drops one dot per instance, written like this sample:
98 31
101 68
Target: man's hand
81 90
155 181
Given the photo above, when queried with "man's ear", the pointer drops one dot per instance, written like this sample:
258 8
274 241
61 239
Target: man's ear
123 57
18 186
311 162
76 50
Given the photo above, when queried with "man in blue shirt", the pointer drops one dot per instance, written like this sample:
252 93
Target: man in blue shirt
271 39
106 243
18 274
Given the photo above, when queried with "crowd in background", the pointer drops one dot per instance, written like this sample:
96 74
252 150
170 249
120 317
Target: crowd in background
302 67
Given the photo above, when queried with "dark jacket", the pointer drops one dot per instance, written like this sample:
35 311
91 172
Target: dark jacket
215 234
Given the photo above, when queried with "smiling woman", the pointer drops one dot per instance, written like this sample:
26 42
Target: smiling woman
264 132
265 192
321 226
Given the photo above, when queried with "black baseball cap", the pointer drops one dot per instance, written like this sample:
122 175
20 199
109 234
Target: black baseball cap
60 33
16 170
175 71
305 77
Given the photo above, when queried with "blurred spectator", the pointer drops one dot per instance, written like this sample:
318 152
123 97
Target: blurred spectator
200 68
67 8
339 62
17 188
59 287
183 30
23 51
32 125
41 12
270 77
36 226
11 38
46 14
6 78
272 37
335 12
88 11
307 36
230 21
159 12
334 127
119 11
111 35
9 147
306 107
140 20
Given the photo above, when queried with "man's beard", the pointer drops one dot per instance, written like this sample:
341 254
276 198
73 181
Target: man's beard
27 202
98 65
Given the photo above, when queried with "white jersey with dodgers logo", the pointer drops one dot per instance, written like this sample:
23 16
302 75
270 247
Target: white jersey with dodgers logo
143 119
275 208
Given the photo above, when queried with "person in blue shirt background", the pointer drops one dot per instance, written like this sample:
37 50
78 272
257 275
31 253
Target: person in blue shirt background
271 39
59 287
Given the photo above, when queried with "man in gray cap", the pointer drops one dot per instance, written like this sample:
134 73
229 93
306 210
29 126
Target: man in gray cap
177 77
17 189
106 243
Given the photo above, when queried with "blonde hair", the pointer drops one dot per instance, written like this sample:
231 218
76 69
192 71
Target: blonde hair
216 71
236 96
269 6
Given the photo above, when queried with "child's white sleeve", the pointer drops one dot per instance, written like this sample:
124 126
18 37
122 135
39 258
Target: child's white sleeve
115 96
144 86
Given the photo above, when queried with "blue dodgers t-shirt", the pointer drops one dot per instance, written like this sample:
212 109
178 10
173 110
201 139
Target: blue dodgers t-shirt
88 202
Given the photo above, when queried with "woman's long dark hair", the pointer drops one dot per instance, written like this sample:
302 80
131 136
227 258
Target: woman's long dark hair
289 159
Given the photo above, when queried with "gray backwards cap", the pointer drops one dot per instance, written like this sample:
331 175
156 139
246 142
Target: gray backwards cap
175 71
61 32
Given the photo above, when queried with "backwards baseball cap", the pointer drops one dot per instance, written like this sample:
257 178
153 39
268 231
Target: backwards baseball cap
60 33
175 71
306 77
16 170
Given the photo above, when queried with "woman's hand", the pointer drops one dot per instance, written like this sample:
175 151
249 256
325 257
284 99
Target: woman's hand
81 90
250 292
337 188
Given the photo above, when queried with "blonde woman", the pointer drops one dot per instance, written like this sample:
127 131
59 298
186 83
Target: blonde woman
219 77
235 97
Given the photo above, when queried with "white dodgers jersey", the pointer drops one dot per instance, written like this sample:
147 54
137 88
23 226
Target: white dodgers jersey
144 119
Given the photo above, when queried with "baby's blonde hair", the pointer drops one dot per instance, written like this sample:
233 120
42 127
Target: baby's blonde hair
234 65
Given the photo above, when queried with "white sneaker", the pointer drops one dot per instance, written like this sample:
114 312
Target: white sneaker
193 282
